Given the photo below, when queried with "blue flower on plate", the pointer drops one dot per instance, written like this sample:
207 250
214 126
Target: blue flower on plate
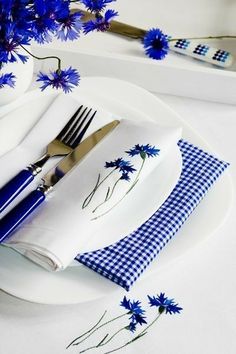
156 44
143 151
164 304
101 23
64 79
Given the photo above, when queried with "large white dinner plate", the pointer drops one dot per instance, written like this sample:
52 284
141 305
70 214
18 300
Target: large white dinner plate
26 280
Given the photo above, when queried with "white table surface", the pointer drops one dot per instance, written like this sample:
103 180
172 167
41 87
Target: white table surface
202 281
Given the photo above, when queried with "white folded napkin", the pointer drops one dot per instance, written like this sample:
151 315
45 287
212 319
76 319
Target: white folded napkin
84 201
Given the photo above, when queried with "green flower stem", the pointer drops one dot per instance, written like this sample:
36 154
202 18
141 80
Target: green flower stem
138 174
108 195
127 343
102 325
43 58
91 194
96 324
131 187
103 341
98 184
208 37
141 334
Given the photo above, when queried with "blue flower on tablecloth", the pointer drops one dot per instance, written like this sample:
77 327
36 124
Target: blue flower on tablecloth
7 79
64 79
164 304
132 326
156 44
100 23
96 5
137 313
143 151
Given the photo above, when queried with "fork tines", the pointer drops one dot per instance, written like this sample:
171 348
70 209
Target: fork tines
74 130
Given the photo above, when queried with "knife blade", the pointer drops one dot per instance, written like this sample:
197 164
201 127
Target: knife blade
34 199
188 46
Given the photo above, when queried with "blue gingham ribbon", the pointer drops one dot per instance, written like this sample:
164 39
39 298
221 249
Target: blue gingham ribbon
124 261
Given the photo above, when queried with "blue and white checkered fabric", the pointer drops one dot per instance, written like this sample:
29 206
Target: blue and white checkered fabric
124 261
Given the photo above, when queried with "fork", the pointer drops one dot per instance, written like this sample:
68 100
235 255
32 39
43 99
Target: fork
66 141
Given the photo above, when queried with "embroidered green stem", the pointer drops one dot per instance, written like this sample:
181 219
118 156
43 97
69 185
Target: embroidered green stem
141 334
127 343
108 195
97 328
143 156
98 184
104 341
91 329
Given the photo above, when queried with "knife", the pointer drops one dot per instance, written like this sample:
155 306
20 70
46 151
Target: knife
188 46
22 210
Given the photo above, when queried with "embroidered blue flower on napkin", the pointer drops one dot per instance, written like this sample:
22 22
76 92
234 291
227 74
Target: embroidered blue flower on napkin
124 261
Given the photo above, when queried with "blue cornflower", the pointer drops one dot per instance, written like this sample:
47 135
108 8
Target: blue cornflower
10 43
164 304
64 79
48 14
121 164
96 5
7 79
125 177
132 326
143 151
101 23
136 312
69 28
156 44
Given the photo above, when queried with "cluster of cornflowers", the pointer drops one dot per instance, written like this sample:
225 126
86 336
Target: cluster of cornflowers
22 21
125 169
137 317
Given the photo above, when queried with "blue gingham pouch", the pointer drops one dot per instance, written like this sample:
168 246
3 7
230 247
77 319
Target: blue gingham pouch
124 261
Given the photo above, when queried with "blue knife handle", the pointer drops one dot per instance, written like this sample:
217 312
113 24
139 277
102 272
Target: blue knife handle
20 212
14 187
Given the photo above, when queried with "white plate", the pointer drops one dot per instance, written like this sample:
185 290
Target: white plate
23 279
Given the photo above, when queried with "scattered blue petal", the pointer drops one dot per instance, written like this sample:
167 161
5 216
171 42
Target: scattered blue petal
143 151
164 304
101 23
7 79
156 44
63 79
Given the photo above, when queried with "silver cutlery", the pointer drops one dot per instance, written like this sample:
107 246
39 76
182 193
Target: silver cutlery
68 138
22 210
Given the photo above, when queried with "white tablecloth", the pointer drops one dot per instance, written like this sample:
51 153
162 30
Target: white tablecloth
202 281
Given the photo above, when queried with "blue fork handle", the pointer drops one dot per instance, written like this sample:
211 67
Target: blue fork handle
14 187
20 212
